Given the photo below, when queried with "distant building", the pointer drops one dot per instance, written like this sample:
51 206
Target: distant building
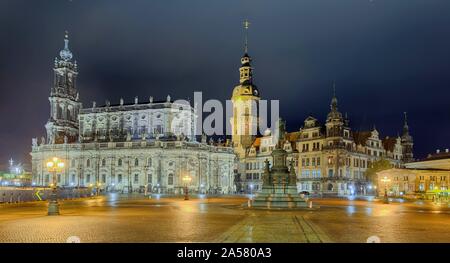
333 158
428 178
16 176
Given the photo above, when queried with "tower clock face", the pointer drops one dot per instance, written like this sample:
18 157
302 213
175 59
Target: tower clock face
255 92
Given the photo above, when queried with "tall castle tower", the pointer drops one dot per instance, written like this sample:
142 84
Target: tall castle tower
407 142
244 122
62 125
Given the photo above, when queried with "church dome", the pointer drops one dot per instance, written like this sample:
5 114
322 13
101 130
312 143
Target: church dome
245 60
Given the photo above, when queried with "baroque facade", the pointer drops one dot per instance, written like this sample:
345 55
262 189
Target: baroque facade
329 159
147 145
333 158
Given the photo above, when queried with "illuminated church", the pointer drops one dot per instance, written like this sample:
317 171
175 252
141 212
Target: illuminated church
147 145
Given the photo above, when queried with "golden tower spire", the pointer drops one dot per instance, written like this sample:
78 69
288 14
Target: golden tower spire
246 26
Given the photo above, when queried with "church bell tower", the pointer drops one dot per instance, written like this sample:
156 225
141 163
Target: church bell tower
407 142
245 98
62 126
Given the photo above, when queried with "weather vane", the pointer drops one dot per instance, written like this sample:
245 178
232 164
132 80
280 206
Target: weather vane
334 88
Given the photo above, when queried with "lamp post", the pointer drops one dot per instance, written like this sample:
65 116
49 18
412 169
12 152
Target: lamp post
186 179
385 180
54 165
98 188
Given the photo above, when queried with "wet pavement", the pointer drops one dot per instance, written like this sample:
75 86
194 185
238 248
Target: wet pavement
115 218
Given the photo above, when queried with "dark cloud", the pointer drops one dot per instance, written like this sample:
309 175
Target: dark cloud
387 57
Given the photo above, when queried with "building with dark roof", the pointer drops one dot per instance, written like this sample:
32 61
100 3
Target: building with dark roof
333 158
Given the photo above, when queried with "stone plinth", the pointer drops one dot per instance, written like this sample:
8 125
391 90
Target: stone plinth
279 182
279 196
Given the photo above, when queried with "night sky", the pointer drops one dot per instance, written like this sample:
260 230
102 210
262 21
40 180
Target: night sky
386 56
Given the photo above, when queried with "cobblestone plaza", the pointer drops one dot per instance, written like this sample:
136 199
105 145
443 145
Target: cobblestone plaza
123 218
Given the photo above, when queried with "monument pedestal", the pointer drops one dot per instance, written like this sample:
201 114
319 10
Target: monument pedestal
279 196
279 182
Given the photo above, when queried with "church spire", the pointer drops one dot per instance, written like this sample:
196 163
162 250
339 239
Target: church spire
245 121
407 141
62 125
405 123
246 71
246 26
334 115
334 101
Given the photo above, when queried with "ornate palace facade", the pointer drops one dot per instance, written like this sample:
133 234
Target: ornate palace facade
329 159
333 158
142 145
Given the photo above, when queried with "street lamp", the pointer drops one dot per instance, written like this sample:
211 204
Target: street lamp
186 179
385 180
54 165
98 188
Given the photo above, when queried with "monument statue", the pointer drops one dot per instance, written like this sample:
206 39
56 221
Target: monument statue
203 138
34 142
128 136
279 188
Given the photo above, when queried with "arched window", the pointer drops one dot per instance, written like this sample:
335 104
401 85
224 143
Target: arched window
136 162
88 163
119 162
103 162
170 179
58 111
149 162
68 114
64 112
